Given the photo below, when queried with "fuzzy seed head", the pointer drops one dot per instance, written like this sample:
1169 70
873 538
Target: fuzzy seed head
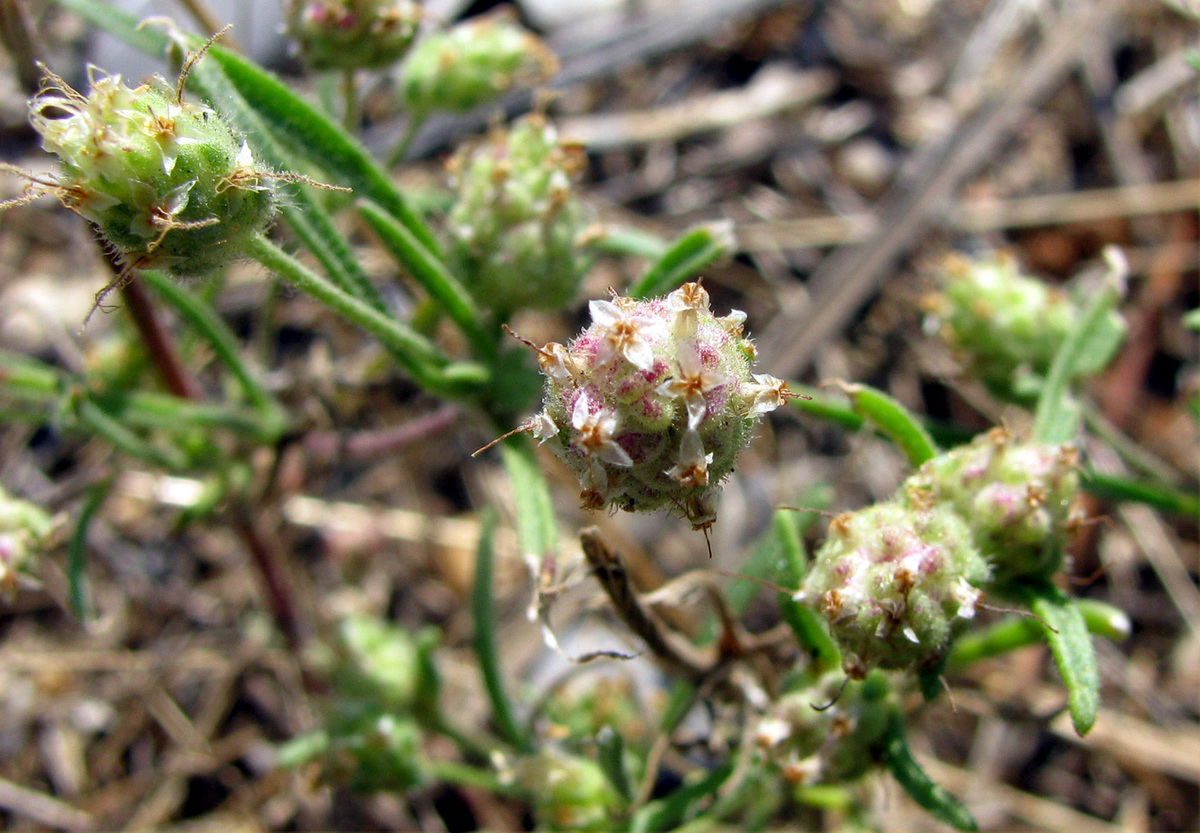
569 792
473 63
166 182
353 34
652 403
516 225
1008 326
831 745
1017 499
24 531
891 581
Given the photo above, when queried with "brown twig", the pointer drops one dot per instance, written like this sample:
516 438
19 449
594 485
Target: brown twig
610 572
159 345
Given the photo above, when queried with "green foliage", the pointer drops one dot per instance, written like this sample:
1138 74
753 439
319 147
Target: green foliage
649 407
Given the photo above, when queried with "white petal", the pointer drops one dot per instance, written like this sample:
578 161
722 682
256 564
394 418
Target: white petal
581 411
611 452
543 427
638 353
604 313
696 408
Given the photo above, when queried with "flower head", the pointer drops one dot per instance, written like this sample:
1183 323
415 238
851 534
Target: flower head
660 400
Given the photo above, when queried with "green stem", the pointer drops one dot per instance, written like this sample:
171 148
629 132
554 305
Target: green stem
428 269
1018 632
351 115
410 133
452 772
485 640
469 745
419 357
92 417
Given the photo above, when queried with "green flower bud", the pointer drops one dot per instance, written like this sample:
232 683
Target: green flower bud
1009 326
651 405
24 531
1016 498
891 581
167 183
373 750
569 792
829 734
353 34
473 63
516 225
385 665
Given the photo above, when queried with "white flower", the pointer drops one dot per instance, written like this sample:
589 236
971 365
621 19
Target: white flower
542 427
594 434
771 732
692 382
687 301
734 322
766 394
692 469
689 296
624 335
555 362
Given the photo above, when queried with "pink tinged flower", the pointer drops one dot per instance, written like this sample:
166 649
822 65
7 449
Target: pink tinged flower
692 382
766 394
624 335
594 434
692 469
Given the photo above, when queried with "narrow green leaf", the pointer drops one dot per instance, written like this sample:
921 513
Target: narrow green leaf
119 24
208 325
610 749
690 253
917 783
486 651
627 240
77 586
420 358
431 273
900 426
812 636
1066 633
325 143
93 418
1162 498
537 531
818 404
1058 413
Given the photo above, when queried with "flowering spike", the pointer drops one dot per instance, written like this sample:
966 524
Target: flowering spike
1017 498
649 413
167 183
353 34
472 63
514 229
891 581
